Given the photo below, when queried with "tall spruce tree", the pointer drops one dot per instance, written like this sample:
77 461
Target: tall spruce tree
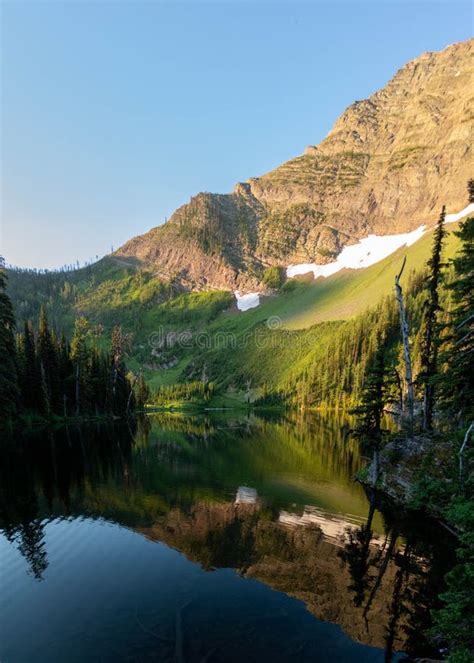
79 358
430 347
372 404
457 382
65 375
30 386
8 370
373 399
119 386
48 365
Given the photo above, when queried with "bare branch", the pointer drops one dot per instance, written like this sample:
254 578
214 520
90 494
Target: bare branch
397 278
462 449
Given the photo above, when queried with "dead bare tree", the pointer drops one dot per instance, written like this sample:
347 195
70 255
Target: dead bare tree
463 448
409 401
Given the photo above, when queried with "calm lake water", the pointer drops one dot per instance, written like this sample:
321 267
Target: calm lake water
208 539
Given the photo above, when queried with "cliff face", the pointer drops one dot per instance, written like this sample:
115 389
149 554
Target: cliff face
387 166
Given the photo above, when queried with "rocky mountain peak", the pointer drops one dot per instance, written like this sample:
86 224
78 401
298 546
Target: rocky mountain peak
387 166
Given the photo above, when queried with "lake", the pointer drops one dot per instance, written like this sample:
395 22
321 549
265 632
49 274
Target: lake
209 538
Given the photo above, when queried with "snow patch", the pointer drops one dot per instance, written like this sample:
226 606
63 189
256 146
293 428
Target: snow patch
451 218
365 253
248 301
369 250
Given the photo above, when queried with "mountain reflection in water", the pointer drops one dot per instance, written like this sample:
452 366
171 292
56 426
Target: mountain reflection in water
119 529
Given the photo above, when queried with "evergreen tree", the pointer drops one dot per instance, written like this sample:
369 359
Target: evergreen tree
142 392
457 382
373 399
8 370
429 353
470 190
119 388
48 365
79 357
31 383
66 370
46 375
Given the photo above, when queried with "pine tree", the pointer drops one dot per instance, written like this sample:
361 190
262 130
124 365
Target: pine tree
457 383
48 365
8 370
66 370
79 357
142 392
470 190
30 382
119 387
373 399
429 354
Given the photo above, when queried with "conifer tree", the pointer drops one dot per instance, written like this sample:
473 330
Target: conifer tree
372 403
457 383
470 190
31 384
48 364
429 353
120 388
142 392
66 370
79 357
8 369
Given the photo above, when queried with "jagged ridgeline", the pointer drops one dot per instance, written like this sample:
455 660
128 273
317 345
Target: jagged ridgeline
387 167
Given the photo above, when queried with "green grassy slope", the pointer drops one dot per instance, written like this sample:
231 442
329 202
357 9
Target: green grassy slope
310 312
350 292
305 313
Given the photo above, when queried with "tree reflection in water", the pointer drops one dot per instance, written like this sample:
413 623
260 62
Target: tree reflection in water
303 531
411 547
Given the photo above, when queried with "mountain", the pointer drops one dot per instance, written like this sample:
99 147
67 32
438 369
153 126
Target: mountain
171 288
387 166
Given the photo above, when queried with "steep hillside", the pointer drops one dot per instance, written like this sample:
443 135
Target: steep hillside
177 335
386 167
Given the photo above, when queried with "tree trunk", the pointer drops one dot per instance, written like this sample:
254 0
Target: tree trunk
463 448
406 346
428 400
130 394
78 375
374 467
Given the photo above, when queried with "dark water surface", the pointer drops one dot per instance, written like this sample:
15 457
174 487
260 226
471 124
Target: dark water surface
207 539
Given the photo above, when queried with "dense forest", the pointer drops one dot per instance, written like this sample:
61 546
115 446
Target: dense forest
46 376
435 414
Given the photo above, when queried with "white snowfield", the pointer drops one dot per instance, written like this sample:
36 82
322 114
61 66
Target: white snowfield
365 253
369 250
451 218
248 301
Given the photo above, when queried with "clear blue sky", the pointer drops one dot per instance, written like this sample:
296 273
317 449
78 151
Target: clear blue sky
114 114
